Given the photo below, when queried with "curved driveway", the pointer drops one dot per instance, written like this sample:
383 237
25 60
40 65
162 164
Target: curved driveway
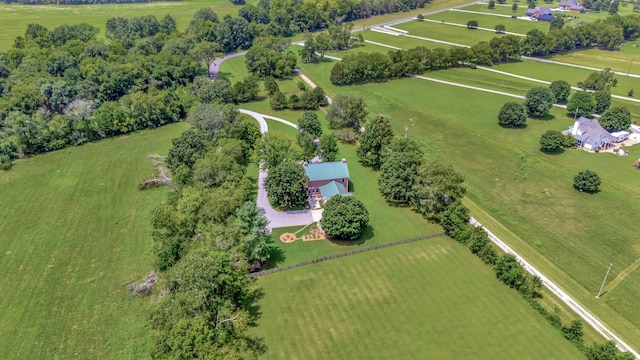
276 218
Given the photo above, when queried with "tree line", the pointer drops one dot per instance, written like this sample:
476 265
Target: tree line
62 87
435 190
208 234
608 34
74 2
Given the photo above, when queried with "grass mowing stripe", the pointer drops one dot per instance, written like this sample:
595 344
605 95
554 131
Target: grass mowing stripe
424 302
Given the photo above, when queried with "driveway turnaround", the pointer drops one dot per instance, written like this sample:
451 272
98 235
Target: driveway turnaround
276 218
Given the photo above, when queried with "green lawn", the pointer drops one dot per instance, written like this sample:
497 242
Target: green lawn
431 299
552 72
489 21
74 230
572 236
455 34
401 41
623 61
15 17
522 9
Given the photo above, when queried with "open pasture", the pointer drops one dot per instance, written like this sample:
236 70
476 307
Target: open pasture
451 33
626 60
74 230
15 17
429 299
518 26
513 180
401 41
551 72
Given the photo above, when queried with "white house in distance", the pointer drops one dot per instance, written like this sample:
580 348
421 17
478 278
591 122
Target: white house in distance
591 136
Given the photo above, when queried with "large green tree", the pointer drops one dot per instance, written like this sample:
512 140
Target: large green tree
587 181
276 148
344 217
581 103
615 119
328 147
310 124
346 112
513 114
438 185
399 172
600 80
552 141
286 185
560 89
539 101
373 141
603 100
252 232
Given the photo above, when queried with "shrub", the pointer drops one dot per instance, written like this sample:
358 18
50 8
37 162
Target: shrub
587 181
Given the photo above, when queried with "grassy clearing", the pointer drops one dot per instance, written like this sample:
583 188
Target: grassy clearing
74 230
489 21
552 72
429 299
15 17
623 61
401 41
579 234
455 34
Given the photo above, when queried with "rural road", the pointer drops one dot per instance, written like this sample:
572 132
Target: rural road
561 294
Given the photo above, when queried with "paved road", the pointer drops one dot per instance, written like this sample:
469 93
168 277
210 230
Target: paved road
214 67
276 218
561 294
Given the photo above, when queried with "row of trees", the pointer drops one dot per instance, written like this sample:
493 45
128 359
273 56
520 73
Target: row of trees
304 100
609 33
207 235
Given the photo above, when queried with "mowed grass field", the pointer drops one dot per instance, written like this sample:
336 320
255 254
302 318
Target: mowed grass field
74 230
572 235
431 299
518 26
14 18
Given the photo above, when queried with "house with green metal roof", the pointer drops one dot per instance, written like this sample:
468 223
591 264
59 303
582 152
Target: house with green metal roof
327 179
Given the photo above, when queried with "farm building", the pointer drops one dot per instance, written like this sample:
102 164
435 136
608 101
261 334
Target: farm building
571 5
541 14
590 135
327 179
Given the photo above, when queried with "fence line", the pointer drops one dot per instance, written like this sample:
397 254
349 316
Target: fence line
347 253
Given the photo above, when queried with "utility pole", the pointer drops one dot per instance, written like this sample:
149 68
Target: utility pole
576 114
629 70
604 281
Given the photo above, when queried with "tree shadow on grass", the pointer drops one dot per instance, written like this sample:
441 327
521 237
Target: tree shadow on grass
545 117
552 153
277 257
367 234
511 127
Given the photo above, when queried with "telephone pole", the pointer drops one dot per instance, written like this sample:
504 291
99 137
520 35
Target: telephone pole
604 281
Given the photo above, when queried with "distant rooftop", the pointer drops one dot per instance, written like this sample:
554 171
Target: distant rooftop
327 170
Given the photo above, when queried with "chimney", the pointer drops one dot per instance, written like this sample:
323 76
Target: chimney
344 161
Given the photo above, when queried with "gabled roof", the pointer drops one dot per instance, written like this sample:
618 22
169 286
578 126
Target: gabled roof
531 12
545 10
590 131
331 189
569 3
327 170
545 17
